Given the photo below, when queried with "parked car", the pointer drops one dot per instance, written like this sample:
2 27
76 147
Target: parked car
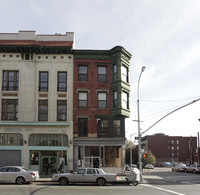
194 168
17 174
166 164
149 166
85 175
179 167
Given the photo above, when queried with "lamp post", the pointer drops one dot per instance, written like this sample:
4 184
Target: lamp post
139 133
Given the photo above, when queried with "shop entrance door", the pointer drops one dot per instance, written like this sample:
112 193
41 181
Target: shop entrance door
49 165
92 162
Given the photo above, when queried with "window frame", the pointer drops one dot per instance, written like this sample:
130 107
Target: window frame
46 82
115 72
102 78
117 129
80 128
83 77
6 80
125 102
85 101
104 130
124 73
115 99
60 82
5 110
99 101
40 112
61 113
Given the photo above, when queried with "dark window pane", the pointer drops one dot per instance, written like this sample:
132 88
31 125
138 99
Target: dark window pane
82 126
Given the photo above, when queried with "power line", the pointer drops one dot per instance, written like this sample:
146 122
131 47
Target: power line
158 101
170 113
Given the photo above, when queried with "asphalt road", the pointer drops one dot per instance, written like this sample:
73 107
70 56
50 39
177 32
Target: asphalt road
156 182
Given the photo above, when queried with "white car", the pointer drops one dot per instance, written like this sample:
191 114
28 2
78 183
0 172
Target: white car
85 175
17 174
179 167
149 166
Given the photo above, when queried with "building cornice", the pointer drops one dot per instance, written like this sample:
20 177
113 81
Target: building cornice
34 124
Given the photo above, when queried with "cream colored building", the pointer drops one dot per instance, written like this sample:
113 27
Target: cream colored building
36 118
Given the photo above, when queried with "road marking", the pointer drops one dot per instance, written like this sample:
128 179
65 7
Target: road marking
162 189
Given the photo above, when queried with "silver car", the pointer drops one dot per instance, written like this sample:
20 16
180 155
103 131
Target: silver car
85 175
17 174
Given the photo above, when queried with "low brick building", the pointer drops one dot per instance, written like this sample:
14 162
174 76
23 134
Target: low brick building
171 148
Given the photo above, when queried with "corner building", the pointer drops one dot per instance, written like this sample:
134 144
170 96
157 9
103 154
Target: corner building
36 95
101 104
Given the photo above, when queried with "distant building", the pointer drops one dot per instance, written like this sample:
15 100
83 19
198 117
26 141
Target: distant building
171 148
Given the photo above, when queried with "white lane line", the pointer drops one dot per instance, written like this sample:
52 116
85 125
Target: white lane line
162 189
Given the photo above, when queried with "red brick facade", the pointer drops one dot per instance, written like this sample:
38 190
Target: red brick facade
171 148
92 86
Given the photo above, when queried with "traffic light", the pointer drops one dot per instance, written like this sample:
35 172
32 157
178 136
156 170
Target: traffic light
145 155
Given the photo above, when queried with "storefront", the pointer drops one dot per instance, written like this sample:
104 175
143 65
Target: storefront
41 148
105 154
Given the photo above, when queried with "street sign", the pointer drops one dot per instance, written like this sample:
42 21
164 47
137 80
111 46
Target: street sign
136 138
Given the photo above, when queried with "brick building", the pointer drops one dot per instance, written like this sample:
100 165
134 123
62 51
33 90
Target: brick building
101 104
171 148
60 104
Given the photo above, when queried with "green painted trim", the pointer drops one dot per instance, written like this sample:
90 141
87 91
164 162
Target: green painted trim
48 148
34 123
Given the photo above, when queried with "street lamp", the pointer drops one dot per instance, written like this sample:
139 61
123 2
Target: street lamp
139 133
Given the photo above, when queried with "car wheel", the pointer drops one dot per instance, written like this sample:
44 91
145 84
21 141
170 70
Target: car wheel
194 171
20 180
135 183
63 181
101 181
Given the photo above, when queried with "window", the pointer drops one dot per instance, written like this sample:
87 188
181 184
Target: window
82 127
43 81
83 73
177 141
125 102
102 100
10 80
10 109
11 139
13 169
114 72
81 171
61 110
62 81
43 110
82 99
124 74
104 128
117 127
48 140
102 74
114 99
177 148
91 171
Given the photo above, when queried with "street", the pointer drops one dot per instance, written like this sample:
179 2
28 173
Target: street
160 181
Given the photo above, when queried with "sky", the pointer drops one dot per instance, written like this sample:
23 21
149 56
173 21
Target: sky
162 35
